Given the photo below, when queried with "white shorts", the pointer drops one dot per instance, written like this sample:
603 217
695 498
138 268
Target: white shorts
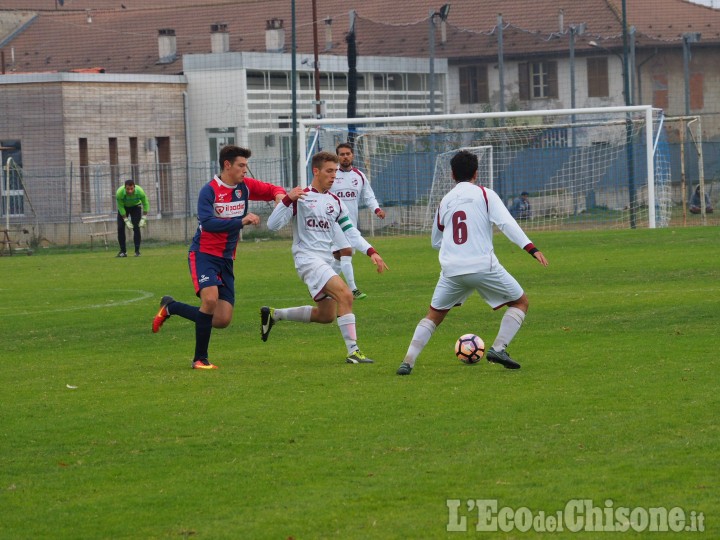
315 272
496 286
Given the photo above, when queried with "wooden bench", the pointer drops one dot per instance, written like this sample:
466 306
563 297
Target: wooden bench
103 233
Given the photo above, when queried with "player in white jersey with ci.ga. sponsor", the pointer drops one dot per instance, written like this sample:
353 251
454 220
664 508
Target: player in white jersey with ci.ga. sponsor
463 232
317 216
353 189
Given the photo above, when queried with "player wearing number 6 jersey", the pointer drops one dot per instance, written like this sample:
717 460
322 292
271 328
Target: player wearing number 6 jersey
463 232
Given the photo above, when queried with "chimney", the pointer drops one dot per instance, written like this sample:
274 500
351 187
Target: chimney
219 38
328 34
274 36
167 46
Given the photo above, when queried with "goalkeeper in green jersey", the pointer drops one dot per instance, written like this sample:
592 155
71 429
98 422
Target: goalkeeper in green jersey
133 206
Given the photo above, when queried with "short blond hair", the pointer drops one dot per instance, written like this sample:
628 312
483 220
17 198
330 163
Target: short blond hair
321 157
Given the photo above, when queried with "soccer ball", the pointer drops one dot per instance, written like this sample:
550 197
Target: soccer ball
469 348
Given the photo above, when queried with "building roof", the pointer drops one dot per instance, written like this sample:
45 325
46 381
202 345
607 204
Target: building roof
121 36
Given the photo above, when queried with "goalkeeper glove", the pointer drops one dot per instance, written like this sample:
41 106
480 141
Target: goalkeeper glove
128 223
143 221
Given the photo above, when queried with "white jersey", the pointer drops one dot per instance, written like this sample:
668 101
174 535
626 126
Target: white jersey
352 188
315 219
463 229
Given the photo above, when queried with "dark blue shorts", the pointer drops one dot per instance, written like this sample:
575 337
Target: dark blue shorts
211 271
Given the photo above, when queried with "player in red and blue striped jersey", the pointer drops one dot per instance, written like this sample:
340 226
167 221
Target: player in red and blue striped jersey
222 213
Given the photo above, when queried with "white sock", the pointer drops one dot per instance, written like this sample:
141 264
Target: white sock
335 265
509 326
423 332
348 331
348 272
296 314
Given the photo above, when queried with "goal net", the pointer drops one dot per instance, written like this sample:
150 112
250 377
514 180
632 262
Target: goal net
581 169
443 180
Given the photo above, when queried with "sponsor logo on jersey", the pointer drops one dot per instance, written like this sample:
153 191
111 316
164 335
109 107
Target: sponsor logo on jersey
345 195
230 209
315 224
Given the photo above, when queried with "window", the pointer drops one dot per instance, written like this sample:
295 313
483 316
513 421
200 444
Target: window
164 164
217 138
474 84
597 77
84 176
13 199
134 163
538 80
114 163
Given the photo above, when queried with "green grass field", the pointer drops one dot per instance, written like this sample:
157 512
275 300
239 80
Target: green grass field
106 432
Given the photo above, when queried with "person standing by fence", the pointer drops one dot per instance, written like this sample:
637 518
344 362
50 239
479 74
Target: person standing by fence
133 206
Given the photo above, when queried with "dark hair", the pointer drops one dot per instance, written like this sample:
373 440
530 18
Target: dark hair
321 157
525 193
464 165
231 153
129 182
343 145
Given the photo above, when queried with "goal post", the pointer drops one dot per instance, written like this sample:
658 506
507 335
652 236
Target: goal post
585 168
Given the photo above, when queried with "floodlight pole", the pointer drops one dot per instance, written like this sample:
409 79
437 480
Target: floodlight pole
293 70
316 57
629 157
574 30
501 62
443 14
688 38
431 49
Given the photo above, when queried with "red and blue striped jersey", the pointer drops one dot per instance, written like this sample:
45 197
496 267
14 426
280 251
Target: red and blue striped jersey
221 209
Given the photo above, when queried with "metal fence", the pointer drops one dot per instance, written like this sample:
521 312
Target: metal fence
47 206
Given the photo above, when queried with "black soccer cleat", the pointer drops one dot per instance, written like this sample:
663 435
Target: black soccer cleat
502 358
404 369
266 321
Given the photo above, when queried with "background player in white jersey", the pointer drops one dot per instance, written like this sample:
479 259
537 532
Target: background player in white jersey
315 213
463 232
352 188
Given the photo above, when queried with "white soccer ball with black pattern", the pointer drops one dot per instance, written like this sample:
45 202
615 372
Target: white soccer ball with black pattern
469 348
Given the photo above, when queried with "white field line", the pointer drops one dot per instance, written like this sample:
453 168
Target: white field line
142 295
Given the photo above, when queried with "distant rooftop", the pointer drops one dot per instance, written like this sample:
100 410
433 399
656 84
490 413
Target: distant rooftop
125 36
